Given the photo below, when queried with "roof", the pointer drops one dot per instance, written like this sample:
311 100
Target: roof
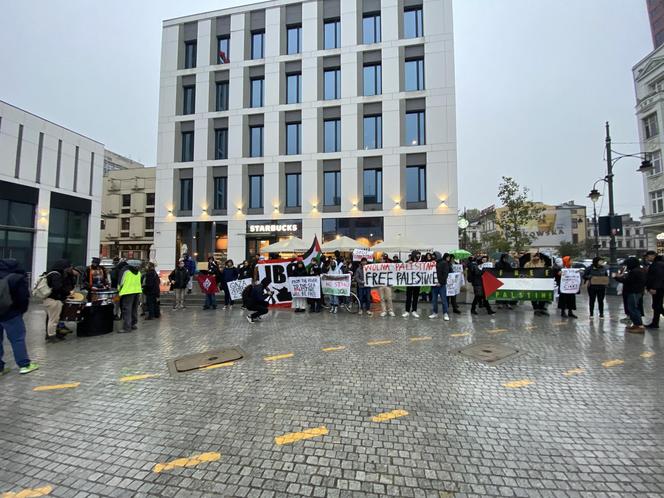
228 11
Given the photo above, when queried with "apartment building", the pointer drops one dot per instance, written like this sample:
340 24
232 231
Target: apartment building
632 240
305 118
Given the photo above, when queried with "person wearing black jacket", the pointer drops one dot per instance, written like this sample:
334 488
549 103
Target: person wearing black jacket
412 293
151 292
11 321
655 286
244 270
179 279
453 299
504 265
299 304
634 280
315 305
595 275
61 282
442 272
475 279
256 300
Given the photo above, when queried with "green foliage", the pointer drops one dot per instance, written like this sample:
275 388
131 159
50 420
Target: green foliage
472 214
495 242
519 212
574 251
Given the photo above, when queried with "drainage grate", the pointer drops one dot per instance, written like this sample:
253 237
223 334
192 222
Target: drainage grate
490 353
202 360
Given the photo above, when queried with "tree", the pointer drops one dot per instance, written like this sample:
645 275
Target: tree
495 242
473 247
570 249
472 214
518 212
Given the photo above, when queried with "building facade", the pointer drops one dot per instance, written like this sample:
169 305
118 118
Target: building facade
50 191
128 207
632 241
117 162
656 16
306 118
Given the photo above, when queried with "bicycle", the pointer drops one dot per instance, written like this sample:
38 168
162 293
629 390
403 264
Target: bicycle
350 303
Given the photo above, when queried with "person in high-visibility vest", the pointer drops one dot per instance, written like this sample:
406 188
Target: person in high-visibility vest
130 291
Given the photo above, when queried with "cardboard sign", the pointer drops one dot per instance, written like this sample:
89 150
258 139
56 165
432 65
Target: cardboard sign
418 274
235 288
164 284
358 254
570 281
308 287
275 270
487 265
454 283
335 285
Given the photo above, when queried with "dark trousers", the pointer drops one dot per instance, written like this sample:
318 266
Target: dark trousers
596 293
480 300
412 294
129 305
539 305
227 297
210 301
151 301
364 294
453 302
259 309
657 302
634 302
315 305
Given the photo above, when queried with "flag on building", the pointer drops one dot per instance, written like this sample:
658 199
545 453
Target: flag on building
519 284
314 253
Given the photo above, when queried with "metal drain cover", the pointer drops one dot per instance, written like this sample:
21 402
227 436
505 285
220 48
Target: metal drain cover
490 353
206 359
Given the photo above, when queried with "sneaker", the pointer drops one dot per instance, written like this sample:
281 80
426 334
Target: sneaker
360 312
405 314
249 319
224 307
544 313
414 313
30 368
601 315
369 313
134 327
626 320
446 317
433 315
474 312
391 313
51 339
383 313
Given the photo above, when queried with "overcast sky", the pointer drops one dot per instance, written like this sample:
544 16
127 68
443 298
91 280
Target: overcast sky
536 80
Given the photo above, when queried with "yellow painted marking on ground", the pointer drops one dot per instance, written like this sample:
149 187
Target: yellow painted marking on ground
187 462
29 493
560 323
460 334
57 386
293 437
530 327
382 417
219 365
378 343
422 338
518 383
496 331
130 378
574 371
279 357
612 363
647 354
334 348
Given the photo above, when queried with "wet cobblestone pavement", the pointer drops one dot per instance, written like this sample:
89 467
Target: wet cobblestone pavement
339 405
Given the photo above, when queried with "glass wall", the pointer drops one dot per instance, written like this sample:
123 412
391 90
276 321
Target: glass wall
67 237
368 230
17 242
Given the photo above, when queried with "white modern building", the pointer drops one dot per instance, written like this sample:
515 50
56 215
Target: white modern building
50 191
306 117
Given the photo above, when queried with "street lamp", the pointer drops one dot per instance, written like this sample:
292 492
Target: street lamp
594 196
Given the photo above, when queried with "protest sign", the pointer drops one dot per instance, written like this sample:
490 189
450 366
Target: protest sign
235 288
335 285
164 283
570 281
401 274
454 283
518 284
457 268
358 254
308 287
275 270
487 265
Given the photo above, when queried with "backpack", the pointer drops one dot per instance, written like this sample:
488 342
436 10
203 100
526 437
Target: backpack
42 289
246 295
5 295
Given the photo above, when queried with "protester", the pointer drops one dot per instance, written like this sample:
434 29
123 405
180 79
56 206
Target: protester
151 292
315 305
179 278
213 267
503 264
229 274
453 299
254 298
566 302
61 279
244 271
440 289
385 293
412 293
334 269
113 275
475 273
537 262
596 277
94 278
11 316
363 292
634 280
129 290
190 265
655 286
208 284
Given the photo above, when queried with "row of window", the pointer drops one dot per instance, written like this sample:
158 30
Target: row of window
413 27
149 202
125 223
372 189
415 134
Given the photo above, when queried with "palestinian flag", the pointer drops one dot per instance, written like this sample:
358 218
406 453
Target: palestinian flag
314 253
520 284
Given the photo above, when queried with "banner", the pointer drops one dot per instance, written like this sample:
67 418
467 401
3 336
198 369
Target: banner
358 254
308 287
519 284
454 282
418 274
335 285
570 281
275 270
235 288
164 284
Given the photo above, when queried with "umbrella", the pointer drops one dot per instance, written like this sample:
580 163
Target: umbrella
401 243
343 244
460 254
293 244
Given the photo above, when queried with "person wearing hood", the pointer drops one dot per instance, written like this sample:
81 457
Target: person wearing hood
412 293
634 279
597 279
566 302
129 290
440 289
299 304
334 269
190 265
179 279
229 274
11 318
244 270
61 282
256 298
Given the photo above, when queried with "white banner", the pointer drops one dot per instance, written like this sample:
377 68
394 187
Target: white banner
401 274
570 281
358 254
335 285
308 287
454 282
275 270
235 287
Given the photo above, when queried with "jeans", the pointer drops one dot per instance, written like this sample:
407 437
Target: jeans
596 293
385 294
364 293
412 293
334 300
129 305
179 298
442 292
258 309
15 328
633 301
210 301
152 306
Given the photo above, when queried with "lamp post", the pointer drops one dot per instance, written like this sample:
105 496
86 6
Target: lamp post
594 196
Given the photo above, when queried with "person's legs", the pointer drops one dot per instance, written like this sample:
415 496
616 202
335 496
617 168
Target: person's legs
366 298
455 306
149 304
592 296
126 304
443 296
435 292
383 304
487 306
633 309
657 307
136 300
409 298
259 309
601 292
53 310
15 329
476 300
387 293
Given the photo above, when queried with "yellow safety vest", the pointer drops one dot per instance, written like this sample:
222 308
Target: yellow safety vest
131 283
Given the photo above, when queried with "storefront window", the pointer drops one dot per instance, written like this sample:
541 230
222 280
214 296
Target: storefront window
368 230
67 237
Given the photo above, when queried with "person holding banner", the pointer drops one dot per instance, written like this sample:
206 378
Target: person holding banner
566 300
229 274
315 305
412 293
299 304
362 290
334 269
475 278
385 293
442 272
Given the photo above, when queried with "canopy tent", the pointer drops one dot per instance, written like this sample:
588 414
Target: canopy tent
293 244
401 243
343 244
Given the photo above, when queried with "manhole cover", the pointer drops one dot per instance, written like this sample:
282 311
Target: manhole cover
206 359
490 353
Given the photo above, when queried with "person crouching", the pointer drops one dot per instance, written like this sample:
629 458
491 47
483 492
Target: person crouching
255 299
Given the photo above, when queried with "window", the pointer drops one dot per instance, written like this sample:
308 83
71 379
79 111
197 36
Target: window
414 75
620 244
415 128
294 39
373 132
103 224
126 200
371 28
187 146
332 137
412 23
332 188
641 244
186 193
221 143
604 244
255 191
223 49
219 193
293 88
149 202
657 201
332 34
190 54
332 84
627 232
293 198
222 96
293 131
149 226
650 126
257 39
124 227
257 92
188 99
416 184
656 160
372 80
255 141
373 186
